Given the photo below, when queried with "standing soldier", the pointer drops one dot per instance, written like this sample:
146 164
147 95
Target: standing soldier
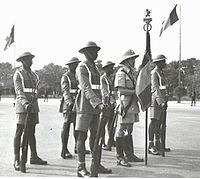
25 84
128 109
108 98
158 90
88 105
69 87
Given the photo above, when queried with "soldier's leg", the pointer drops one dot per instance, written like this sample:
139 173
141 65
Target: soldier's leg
81 172
64 139
158 131
17 142
152 149
32 143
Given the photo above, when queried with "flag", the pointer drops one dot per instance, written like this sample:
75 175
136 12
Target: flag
170 21
9 39
143 84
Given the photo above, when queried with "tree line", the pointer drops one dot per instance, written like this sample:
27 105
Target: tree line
50 76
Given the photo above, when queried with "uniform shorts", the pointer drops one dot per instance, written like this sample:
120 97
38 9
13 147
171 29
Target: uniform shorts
33 117
69 117
87 121
124 129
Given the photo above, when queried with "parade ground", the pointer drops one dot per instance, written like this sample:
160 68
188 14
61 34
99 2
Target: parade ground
183 137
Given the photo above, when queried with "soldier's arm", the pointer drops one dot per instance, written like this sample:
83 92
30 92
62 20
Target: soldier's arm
85 86
19 89
65 87
104 90
156 90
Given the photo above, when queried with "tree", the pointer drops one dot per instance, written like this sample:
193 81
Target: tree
50 77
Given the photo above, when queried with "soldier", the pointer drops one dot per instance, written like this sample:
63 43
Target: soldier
69 87
108 98
158 90
25 84
88 105
128 109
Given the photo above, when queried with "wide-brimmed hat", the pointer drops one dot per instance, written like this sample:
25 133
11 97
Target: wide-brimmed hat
73 60
25 54
108 63
159 58
128 54
90 44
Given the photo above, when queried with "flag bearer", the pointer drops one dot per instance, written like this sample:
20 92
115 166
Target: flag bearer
128 109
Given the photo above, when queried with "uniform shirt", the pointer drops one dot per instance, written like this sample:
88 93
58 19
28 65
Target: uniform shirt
126 92
107 89
25 84
69 87
158 86
89 95
158 90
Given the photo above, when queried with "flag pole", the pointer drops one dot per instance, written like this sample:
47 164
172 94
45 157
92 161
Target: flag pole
147 27
179 74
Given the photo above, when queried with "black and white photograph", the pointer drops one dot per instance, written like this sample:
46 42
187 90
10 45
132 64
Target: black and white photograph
99 88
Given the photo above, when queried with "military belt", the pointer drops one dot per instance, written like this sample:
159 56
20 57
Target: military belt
30 90
162 87
73 90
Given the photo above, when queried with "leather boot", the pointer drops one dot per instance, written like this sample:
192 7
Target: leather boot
81 171
129 150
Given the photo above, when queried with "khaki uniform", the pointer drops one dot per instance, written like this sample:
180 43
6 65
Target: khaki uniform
25 84
89 95
124 81
158 90
69 87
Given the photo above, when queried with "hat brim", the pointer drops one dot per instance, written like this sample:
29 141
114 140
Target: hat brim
72 62
131 56
20 58
112 64
159 60
95 47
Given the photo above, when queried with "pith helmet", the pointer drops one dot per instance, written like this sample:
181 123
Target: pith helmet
159 58
90 44
128 54
25 54
73 60
108 63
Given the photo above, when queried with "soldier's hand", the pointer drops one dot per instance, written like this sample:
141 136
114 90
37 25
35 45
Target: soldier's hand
164 105
28 107
101 107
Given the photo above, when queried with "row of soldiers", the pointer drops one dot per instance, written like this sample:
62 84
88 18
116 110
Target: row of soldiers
86 94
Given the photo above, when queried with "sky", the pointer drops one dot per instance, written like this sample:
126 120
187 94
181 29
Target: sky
54 30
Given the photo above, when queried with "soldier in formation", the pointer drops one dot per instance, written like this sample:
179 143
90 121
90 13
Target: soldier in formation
128 109
88 105
27 109
158 91
108 99
69 87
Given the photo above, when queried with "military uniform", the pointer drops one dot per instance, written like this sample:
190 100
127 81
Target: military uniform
158 101
127 108
25 84
69 88
88 102
108 99
158 91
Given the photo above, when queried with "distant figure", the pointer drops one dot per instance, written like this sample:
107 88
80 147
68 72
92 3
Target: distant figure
46 95
0 95
193 98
